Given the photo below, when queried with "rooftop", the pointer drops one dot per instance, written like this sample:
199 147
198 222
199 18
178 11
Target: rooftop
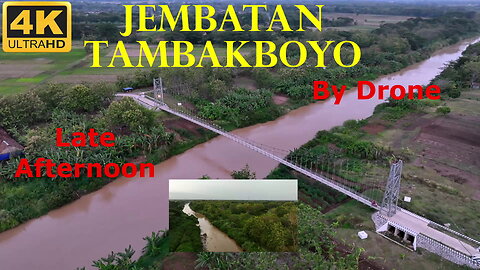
7 143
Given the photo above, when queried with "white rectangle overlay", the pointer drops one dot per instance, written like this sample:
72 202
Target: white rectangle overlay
233 190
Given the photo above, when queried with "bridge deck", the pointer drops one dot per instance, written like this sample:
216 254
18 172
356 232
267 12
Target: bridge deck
421 226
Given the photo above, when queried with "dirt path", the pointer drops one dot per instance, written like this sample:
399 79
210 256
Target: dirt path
180 261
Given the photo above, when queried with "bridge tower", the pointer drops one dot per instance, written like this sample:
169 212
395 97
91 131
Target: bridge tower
392 191
158 89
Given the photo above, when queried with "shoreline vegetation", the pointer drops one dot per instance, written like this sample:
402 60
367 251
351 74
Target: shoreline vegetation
184 235
32 117
255 226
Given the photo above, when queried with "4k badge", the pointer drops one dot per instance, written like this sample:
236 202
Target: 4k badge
37 27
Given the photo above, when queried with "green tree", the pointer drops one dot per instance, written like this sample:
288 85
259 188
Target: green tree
51 94
81 98
127 113
473 67
107 31
244 173
22 110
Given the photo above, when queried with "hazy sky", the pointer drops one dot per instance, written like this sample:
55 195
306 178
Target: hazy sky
253 190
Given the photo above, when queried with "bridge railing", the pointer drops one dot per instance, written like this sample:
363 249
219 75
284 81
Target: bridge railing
258 148
436 226
446 252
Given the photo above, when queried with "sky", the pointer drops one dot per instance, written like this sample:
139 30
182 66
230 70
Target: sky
233 190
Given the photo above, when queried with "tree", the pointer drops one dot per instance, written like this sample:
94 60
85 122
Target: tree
454 93
244 173
51 94
22 110
127 113
473 67
216 89
107 31
81 98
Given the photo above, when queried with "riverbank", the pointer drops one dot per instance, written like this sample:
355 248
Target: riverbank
124 197
212 238
441 152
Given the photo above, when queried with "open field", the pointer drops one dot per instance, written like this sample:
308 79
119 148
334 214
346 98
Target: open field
364 22
22 71
446 147
109 73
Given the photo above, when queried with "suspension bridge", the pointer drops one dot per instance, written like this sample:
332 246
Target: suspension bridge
390 219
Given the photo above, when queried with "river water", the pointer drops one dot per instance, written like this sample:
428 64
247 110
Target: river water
125 211
215 240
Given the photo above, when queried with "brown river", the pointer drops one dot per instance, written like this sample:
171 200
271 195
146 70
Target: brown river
214 239
125 211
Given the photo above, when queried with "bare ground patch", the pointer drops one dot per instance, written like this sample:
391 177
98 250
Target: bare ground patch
245 82
180 261
19 70
373 128
451 146
280 99
181 124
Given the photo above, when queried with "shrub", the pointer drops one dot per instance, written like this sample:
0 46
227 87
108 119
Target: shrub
444 110
81 98
454 93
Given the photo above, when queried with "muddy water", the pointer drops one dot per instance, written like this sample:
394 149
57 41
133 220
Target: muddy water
123 212
215 240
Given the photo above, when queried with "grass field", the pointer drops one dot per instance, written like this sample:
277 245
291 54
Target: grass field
22 71
364 22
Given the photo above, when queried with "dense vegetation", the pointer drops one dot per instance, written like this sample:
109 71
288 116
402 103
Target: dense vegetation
317 250
462 74
255 226
184 234
153 254
310 191
33 117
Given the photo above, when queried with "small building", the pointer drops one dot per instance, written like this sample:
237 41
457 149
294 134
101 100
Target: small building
8 146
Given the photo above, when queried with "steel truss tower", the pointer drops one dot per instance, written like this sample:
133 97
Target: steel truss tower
158 89
392 191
